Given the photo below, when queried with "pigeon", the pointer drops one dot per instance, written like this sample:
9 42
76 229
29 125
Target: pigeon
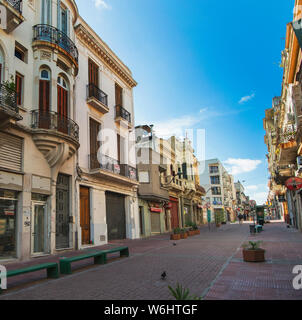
164 275
174 244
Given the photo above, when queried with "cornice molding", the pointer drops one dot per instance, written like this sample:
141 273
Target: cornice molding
99 49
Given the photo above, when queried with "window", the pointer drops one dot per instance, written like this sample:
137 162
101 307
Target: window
11 152
144 177
93 73
46 12
215 180
95 144
118 95
217 201
19 54
19 89
216 191
62 98
44 92
214 169
8 220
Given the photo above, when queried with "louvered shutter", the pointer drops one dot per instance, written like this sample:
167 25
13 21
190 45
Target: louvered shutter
10 152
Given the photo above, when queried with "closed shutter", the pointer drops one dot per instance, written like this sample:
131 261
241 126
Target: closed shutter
19 88
0 72
118 95
93 73
94 131
10 152
44 96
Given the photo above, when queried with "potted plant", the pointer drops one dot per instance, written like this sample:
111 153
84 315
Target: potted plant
195 229
183 234
252 252
176 234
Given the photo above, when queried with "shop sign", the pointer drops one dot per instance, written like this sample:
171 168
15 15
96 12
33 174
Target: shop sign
153 209
294 183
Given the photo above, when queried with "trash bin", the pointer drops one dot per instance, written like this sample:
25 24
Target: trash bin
252 229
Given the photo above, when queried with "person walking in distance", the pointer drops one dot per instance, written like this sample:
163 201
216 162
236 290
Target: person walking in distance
240 217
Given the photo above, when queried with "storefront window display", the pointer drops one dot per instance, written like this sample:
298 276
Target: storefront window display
8 220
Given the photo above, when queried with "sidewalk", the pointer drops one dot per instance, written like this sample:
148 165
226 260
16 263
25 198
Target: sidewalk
209 265
271 280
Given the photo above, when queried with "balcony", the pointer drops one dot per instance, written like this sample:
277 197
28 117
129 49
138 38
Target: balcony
97 98
8 105
13 14
110 169
54 135
122 115
174 183
46 35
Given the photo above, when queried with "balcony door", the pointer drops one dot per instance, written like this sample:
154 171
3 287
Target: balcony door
62 89
95 144
93 73
118 95
1 65
44 99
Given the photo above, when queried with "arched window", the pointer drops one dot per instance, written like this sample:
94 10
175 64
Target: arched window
44 98
63 96
1 66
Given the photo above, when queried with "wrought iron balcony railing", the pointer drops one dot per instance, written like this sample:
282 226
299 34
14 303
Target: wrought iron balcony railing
288 134
16 4
123 113
100 161
8 98
94 92
55 121
44 32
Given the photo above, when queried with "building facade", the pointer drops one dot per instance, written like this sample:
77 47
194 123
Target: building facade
219 186
283 138
54 195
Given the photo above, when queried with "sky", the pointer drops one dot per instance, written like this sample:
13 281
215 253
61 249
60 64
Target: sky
202 64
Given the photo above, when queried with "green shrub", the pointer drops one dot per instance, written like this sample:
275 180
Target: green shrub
180 293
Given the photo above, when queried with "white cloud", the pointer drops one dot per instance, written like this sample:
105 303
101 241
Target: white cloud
247 98
238 166
259 197
251 188
176 126
102 4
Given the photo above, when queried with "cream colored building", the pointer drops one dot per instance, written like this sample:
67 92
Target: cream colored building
107 183
45 113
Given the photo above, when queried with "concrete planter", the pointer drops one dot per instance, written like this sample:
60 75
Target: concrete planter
191 233
253 255
175 237
197 232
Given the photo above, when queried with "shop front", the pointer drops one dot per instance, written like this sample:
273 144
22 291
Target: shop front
8 224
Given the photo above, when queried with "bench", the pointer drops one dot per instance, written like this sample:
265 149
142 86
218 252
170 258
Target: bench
52 270
258 228
124 252
65 263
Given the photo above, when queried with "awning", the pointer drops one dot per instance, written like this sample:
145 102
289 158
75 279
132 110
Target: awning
297 26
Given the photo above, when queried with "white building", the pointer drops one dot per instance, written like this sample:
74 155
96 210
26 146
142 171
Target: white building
219 186
45 179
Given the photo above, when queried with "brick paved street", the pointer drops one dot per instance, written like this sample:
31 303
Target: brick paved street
210 265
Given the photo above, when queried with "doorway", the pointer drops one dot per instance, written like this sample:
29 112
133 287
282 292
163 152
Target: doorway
85 214
40 232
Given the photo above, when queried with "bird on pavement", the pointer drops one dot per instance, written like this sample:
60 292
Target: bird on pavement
164 275
174 244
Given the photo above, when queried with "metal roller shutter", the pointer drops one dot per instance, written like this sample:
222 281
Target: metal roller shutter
10 152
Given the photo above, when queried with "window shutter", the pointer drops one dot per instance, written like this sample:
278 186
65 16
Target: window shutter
68 22
10 152
59 14
94 132
184 171
0 72
19 85
44 96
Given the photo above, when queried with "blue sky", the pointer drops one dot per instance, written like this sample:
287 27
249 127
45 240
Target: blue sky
202 64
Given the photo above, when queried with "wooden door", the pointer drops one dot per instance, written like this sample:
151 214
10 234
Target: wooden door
62 109
174 214
44 116
85 214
